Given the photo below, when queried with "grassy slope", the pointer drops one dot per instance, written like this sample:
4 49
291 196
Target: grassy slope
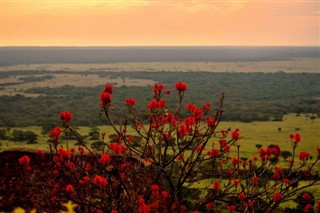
264 133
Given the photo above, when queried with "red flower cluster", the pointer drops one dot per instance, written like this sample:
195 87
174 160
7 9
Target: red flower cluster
107 89
265 153
24 161
255 180
206 107
130 102
296 138
235 134
105 99
69 188
65 117
117 148
211 122
143 207
100 181
304 156
277 196
63 154
105 158
106 96
232 208
242 196
216 185
181 86
152 105
213 153
55 133
155 190
157 88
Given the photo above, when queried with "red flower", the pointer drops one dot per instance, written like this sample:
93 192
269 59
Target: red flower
277 196
69 188
114 211
105 99
236 182
130 102
242 196
25 162
189 121
308 208
255 179
276 176
155 205
71 165
235 134
80 149
206 107
117 148
231 208
216 185
197 113
210 122
100 181
181 86
190 107
278 169
108 88
152 105
63 153
105 158
209 205
297 138
287 181
86 179
168 92
155 190
213 153
306 196
55 133
164 194
65 116
157 88
304 156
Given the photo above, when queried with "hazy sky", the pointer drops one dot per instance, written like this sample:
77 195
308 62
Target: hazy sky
153 22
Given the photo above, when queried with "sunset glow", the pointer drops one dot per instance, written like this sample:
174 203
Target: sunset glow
148 23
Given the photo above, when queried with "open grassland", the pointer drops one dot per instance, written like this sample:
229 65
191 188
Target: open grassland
294 65
264 133
59 80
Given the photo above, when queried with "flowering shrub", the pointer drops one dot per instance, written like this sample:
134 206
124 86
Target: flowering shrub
157 169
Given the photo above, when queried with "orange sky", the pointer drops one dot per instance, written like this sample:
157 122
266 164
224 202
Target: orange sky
164 23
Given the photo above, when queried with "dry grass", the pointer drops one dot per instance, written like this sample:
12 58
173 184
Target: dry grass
296 65
60 80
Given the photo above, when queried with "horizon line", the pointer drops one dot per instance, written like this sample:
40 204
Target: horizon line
130 46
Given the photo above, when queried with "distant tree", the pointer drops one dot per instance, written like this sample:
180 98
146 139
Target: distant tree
45 129
285 154
312 117
3 134
258 146
30 137
94 135
17 135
